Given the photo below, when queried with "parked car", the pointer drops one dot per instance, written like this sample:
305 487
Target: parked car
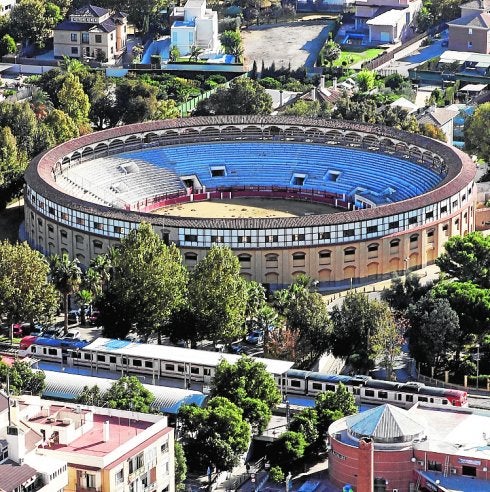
21 329
72 335
54 331
235 348
255 337
37 331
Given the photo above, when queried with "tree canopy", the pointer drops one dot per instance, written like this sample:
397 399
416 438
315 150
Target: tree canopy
467 258
334 405
22 379
148 283
218 295
477 132
25 292
215 435
243 96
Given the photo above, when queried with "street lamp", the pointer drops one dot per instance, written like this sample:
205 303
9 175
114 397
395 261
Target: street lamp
477 364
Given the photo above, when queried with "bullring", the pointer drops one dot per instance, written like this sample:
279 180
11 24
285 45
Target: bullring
396 197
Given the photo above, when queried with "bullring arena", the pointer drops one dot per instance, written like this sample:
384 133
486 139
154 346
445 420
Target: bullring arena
339 201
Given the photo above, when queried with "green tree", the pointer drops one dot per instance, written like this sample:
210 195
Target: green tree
129 394
135 101
66 277
366 80
215 435
386 341
148 283
470 301
434 332
477 132
467 259
22 379
276 475
232 43
40 103
432 131
288 448
333 405
218 294
166 109
143 13
354 324
62 126
243 96
13 163
404 291
7 45
180 467
174 53
247 384
309 109
73 100
331 52
25 293
306 423
33 21
91 396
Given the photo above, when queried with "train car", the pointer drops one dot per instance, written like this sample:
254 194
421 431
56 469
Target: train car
51 349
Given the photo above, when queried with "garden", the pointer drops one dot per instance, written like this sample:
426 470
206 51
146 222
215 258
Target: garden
352 54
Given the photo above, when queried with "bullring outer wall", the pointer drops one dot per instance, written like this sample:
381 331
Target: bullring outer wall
390 238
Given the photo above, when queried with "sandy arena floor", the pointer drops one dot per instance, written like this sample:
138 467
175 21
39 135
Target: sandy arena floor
246 208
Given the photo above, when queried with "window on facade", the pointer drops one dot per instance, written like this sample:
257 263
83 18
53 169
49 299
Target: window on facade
274 238
373 247
412 220
429 215
63 233
64 216
244 258
192 238
217 239
299 256
349 252
97 244
371 229
85 37
50 228
74 50
298 237
244 239
470 44
98 38
89 480
393 225
51 210
349 233
324 254
430 233
119 477
394 243
324 235
39 222
190 256
444 209
118 229
445 227
99 226
414 238
79 239
74 37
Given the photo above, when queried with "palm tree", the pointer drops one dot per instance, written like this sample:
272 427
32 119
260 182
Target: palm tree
66 277
101 267
40 104
85 297
72 65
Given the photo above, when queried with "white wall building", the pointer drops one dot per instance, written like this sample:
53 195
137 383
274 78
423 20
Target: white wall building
194 25
6 6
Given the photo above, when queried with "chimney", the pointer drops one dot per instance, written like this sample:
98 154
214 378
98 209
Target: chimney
105 431
16 441
334 82
322 82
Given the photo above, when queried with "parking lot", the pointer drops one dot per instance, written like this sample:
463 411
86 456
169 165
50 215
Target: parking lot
295 43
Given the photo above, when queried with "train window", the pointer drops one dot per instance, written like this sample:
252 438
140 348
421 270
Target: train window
194 370
169 367
329 387
409 398
33 349
180 369
112 359
52 351
356 391
399 397
445 402
137 363
124 361
369 392
76 355
294 383
149 364
432 400
45 351
317 386
100 358
207 372
422 398
383 394
87 356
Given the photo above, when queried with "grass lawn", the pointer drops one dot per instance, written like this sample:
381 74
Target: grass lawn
6 339
355 54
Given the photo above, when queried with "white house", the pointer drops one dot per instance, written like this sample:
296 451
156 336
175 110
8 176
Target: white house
194 25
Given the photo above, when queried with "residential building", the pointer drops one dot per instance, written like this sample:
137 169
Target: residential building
92 33
194 25
22 469
106 450
424 448
6 6
387 21
442 118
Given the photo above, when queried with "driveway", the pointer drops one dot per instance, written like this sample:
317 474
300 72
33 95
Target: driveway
295 43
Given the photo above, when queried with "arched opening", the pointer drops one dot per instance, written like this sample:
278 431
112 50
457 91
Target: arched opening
324 275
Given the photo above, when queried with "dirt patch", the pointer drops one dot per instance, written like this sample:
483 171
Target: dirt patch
246 208
10 220
296 43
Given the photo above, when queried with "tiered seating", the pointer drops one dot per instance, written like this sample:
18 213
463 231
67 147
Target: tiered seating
269 163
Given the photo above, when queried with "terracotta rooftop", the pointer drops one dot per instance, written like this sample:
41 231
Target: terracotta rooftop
461 172
479 20
92 443
13 476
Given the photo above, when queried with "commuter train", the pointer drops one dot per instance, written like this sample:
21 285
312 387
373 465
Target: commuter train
160 361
